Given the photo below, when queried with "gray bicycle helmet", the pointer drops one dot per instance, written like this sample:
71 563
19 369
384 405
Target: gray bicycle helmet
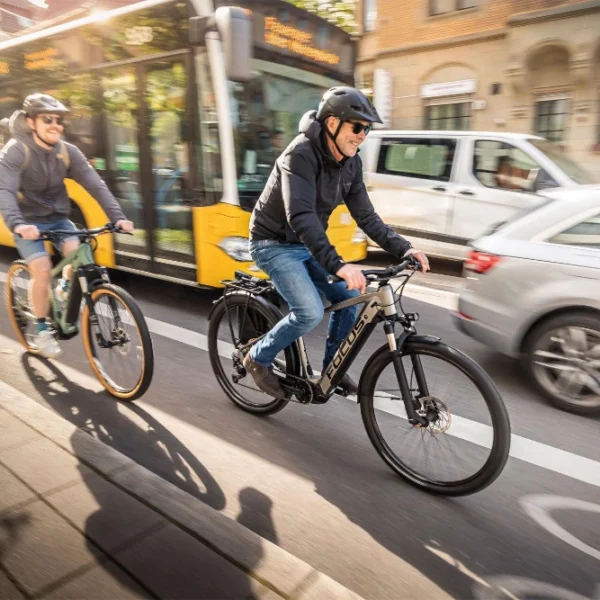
347 103
37 104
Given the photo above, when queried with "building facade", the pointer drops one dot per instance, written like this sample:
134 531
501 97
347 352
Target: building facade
528 66
15 15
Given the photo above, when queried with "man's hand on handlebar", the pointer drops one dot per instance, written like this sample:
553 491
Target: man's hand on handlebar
124 225
420 256
354 278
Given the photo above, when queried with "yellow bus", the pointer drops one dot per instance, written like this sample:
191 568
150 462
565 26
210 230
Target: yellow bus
183 118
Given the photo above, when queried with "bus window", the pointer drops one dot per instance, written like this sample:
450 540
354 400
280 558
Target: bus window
208 152
122 151
266 113
166 100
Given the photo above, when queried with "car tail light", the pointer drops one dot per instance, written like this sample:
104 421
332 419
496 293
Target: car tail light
481 262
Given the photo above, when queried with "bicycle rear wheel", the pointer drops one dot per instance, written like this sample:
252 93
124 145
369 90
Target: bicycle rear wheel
118 347
16 298
231 327
466 445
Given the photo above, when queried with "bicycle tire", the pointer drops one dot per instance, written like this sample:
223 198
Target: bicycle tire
9 300
143 382
271 316
500 422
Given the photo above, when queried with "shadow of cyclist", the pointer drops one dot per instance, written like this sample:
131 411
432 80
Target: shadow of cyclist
148 544
126 428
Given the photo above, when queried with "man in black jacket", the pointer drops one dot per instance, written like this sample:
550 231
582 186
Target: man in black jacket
319 170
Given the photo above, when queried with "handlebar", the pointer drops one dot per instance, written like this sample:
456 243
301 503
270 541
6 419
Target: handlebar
383 274
80 233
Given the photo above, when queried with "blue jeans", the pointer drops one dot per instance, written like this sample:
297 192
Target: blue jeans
299 278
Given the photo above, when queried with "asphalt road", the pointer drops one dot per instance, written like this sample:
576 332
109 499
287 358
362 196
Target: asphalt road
309 480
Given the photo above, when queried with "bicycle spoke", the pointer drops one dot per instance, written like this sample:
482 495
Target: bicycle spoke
456 444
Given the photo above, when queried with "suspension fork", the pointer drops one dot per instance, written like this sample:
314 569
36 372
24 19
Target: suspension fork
396 351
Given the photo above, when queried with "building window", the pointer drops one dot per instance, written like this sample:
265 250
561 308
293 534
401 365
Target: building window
441 7
551 119
448 116
370 14
366 84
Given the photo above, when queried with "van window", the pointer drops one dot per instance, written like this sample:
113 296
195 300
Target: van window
420 158
586 233
500 165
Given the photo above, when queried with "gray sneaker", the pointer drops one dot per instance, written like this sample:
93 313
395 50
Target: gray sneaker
264 378
46 344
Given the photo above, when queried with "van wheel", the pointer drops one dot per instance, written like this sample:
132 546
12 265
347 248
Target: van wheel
562 360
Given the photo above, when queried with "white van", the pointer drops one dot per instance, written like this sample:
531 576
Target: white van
440 189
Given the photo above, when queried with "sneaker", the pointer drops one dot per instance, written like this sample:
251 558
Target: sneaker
46 344
348 386
264 378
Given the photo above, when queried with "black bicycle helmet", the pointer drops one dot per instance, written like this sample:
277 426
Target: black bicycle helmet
37 104
347 103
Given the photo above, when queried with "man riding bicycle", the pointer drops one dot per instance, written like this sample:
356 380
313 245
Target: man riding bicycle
319 170
34 199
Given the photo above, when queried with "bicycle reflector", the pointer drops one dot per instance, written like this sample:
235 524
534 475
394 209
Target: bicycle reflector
481 262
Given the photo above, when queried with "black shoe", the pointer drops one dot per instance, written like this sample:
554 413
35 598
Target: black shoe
348 386
264 378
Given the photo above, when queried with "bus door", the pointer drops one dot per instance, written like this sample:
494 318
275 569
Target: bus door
148 149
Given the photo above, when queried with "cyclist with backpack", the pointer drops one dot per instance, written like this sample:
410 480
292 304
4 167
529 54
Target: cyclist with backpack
33 197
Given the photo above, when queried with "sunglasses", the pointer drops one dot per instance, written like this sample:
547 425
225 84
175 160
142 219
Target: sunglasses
358 127
48 120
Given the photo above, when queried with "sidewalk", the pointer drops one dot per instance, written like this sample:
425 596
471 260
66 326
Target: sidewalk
80 520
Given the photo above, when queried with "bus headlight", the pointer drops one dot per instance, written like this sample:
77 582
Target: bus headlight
236 247
359 237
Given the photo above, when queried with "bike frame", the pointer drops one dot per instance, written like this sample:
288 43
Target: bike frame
378 306
82 261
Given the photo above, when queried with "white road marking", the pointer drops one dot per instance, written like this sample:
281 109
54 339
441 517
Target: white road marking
539 506
532 452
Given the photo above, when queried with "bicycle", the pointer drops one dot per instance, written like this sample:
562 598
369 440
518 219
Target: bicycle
394 407
112 325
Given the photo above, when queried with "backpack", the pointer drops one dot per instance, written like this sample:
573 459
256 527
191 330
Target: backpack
63 154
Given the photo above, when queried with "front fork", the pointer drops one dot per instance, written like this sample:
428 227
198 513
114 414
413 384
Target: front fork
95 326
396 350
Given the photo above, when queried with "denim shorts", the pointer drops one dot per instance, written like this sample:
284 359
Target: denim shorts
32 249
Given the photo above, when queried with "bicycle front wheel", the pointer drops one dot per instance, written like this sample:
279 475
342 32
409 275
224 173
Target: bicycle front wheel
118 345
465 446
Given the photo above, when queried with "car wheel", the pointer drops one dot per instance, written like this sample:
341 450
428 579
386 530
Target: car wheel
562 359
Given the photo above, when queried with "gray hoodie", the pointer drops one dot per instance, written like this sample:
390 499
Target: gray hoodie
44 197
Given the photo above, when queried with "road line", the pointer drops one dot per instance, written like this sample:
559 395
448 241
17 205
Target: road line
530 451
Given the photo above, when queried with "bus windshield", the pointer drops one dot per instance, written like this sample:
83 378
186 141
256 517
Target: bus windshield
266 112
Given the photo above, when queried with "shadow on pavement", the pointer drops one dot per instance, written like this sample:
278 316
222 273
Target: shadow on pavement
169 563
10 525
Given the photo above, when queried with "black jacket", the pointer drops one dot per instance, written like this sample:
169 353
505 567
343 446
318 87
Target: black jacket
306 185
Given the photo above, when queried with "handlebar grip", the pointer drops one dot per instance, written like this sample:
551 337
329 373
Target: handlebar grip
334 279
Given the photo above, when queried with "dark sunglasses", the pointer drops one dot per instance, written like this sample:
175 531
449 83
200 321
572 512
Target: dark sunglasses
48 120
358 127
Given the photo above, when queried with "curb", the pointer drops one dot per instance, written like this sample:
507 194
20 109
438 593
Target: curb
283 573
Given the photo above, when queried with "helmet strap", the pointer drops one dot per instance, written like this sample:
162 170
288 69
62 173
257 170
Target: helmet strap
37 135
334 136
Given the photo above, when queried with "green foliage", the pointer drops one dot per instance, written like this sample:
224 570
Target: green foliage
339 12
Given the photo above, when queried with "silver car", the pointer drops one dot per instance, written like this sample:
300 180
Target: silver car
532 290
